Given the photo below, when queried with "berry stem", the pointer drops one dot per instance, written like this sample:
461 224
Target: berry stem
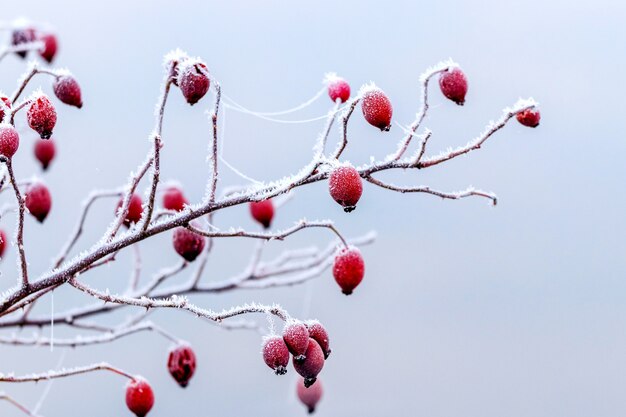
46 376
22 408
345 118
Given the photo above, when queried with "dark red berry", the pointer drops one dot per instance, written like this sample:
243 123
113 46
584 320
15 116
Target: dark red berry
338 88
38 200
309 396
9 140
453 84
67 90
21 36
276 354
296 337
42 116
529 117
139 396
193 80
345 186
174 199
182 364
45 150
135 209
377 108
310 367
50 46
7 102
348 269
262 212
318 333
4 243
188 244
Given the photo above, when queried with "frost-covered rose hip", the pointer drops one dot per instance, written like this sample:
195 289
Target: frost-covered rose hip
7 102
188 244
174 199
135 209
21 36
312 365
3 246
9 140
50 46
181 363
309 396
296 337
318 333
67 90
139 396
453 84
377 108
193 80
42 116
38 200
348 269
338 88
529 117
262 212
45 150
276 354
345 186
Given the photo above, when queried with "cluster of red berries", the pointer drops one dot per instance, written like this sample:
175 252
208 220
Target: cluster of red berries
23 35
309 345
181 364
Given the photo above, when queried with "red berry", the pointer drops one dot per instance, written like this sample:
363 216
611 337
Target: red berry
42 116
318 333
135 209
44 151
67 90
276 354
453 84
296 337
345 186
174 199
348 269
262 212
38 201
312 365
3 245
139 396
7 102
50 46
182 364
338 88
310 396
529 117
377 108
194 81
188 244
21 36
9 140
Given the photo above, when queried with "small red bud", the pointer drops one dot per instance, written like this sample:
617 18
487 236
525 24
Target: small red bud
194 81
276 354
453 84
50 46
309 396
188 244
3 246
262 212
318 333
529 117
135 209
338 88
181 363
348 269
310 367
174 199
7 102
42 116
377 108
296 337
45 150
38 201
345 186
9 140
139 396
67 90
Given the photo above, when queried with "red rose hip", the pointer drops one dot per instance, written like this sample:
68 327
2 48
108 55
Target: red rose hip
42 116
318 333
276 354
262 212
312 365
188 244
7 103
45 149
296 337
67 90
9 140
38 201
377 108
3 246
50 47
174 199
310 396
453 84
193 80
21 36
529 117
348 269
135 209
338 88
181 363
345 186
139 396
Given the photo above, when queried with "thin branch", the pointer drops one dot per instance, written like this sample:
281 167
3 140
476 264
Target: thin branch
20 224
23 47
103 366
214 154
23 409
344 119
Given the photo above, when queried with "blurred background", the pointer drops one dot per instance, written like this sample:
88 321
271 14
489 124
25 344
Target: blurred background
465 309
